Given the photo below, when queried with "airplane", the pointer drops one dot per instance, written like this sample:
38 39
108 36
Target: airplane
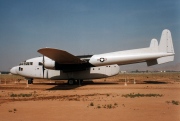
58 64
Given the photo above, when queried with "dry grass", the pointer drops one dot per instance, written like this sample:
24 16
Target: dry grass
133 95
142 77
8 78
174 102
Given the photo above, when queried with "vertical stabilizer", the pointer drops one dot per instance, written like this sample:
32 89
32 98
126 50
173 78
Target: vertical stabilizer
166 44
154 43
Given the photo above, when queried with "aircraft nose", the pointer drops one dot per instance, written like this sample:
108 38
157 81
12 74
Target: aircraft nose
14 70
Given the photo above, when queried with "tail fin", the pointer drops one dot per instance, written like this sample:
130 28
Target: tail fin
165 46
154 43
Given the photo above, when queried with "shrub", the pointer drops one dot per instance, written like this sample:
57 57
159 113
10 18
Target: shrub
132 95
175 102
10 110
98 106
91 104
115 104
109 106
20 95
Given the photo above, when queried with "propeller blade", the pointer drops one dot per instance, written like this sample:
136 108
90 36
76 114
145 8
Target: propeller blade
43 66
47 74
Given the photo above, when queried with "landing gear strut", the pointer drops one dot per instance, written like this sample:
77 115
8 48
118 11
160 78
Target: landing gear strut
72 81
79 82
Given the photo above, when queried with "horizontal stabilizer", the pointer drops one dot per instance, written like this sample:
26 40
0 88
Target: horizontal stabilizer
160 60
165 59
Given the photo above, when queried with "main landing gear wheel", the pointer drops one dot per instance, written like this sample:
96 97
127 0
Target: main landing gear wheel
30 81
71 81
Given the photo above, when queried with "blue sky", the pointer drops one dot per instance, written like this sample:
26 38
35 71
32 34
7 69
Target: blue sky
83 26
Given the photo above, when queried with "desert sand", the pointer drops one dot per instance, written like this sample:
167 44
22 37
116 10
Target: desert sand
100 100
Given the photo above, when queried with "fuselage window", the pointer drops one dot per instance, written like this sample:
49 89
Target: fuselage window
40 63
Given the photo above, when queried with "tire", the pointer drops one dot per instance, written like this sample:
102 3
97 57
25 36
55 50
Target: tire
30 81
71 81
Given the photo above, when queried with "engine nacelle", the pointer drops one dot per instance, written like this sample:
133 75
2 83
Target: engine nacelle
49 64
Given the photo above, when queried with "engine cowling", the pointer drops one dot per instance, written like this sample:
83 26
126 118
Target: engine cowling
49 64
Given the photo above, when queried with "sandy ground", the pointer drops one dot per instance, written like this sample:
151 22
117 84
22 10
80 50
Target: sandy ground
101 100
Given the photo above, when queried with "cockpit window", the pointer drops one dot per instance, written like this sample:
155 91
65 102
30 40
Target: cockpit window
20 69
26 63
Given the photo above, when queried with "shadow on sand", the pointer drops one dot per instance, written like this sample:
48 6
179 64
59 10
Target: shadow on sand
69 87
154 82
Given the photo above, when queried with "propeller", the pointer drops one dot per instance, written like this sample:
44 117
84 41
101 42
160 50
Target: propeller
43 65
47 74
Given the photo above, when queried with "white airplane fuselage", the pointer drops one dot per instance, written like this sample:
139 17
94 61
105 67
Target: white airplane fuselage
33 68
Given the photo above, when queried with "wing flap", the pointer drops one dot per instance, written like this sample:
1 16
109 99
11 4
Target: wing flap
60 56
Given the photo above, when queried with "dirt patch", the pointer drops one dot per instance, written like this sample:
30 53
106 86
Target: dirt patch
98 100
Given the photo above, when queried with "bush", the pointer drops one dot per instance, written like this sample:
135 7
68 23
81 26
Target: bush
132 95
91 104
109 106
175 102
115 104
20 95
98 106
108 94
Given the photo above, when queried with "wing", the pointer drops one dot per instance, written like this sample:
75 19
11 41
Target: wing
60 56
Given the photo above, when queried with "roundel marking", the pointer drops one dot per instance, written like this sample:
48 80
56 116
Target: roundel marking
102 59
